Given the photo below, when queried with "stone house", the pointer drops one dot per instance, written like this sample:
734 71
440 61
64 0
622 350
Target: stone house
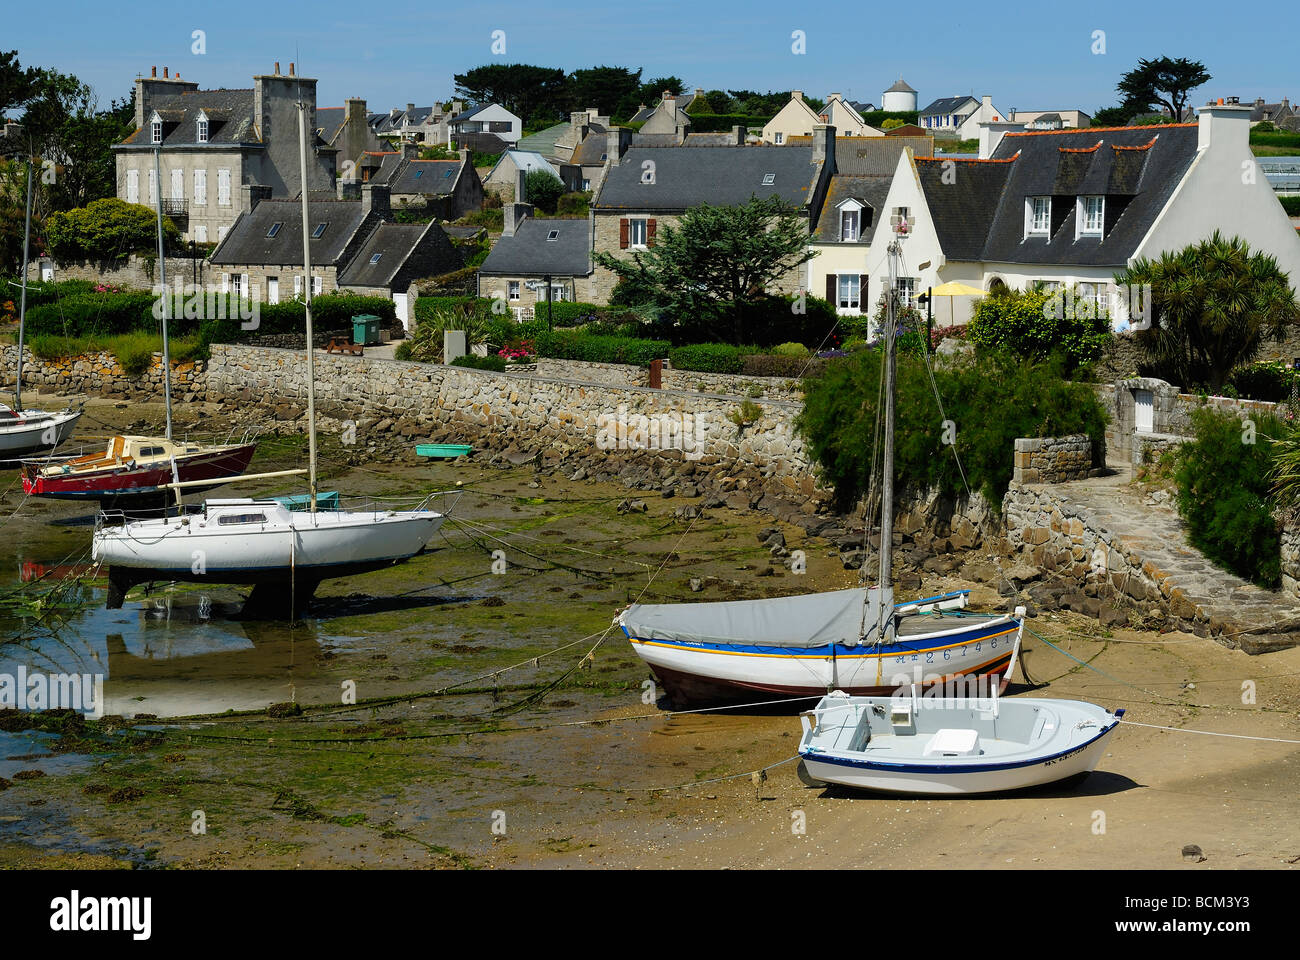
537 259
445 189
648 187
347 129
1072 208
1051 119
210 143
354 246
506 179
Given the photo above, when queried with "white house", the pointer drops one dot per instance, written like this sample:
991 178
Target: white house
947 114
984 113
488 118
797 119
1075 207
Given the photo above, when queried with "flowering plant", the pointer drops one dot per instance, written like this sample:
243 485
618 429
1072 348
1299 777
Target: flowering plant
518 351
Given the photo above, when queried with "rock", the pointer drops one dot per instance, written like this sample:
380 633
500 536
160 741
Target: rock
696 584
638 506
1022 573
909 581
1192 853
690 490
1112 616
579 474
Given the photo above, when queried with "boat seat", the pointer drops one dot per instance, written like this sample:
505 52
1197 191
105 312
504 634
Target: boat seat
954 743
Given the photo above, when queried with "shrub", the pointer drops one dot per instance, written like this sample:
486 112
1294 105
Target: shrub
573 204
1291 205
1223 487
403 351
543 189
775 365
1034 324
940 334
791 350
576 345
992 399
1268 380
474 317
106 229
708 358
474 362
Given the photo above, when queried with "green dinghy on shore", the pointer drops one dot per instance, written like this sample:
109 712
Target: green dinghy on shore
444 451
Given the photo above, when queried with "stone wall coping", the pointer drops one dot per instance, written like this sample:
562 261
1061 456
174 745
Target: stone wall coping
1148 383
522 376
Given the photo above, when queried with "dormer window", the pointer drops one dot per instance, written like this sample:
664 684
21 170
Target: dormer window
202 124
1092 216
155 129
1039 212
850 225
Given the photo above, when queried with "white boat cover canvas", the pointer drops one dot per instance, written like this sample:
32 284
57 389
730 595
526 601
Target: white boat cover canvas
810 620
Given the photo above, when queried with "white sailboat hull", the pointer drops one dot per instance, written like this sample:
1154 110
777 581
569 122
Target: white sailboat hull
32 430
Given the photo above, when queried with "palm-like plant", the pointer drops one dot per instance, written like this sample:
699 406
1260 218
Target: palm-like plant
1213 306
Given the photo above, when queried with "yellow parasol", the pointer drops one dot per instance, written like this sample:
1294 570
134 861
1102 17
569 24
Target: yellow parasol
955 288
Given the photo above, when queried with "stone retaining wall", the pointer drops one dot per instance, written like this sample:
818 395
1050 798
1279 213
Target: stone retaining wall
1053 459
102 375
503 410
135 272
626 375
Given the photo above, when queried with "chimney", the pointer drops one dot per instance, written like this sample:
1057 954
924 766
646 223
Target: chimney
1224 126
578 121
291 69
823 143
164 73
834 96
738 135
991 134
796 95
410 150
251 194
410 108
153 71
613 143
277 68
514 214
375 198
679 131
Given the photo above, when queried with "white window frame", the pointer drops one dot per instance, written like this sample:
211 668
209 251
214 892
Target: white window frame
1038 216
1099 295
856 232
237 286
512 288
848 293
201 131
559 292
906 287
200 187
272 289
155 130
778 138
633 229
317 285
1087 228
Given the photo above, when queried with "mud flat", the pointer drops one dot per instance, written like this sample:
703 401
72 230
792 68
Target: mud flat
492 730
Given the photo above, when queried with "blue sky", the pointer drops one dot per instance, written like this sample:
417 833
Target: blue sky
1026 55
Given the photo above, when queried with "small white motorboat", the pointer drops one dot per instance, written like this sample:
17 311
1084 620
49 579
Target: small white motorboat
944 744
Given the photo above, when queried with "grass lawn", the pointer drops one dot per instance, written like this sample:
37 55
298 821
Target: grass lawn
134 351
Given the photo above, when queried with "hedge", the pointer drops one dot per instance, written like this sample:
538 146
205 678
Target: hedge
1291 205
92 313
773 365
475 362
575 345
708 358
716 122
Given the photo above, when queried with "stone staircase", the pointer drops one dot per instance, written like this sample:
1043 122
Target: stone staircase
1129 545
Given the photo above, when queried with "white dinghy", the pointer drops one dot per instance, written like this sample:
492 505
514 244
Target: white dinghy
955 745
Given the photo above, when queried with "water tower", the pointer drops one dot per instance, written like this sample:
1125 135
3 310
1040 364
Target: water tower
899 97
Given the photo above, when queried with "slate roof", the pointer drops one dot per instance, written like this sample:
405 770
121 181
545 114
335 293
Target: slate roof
529 253
980 215
393 242
900 86
230 119
329 120
871 190
592 151
482 142
430 178
720 176
875 156
543 141
862 107
946 105
247 241
642 115
525 160
471 113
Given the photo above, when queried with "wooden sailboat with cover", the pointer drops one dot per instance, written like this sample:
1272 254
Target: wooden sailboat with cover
857 640
284 552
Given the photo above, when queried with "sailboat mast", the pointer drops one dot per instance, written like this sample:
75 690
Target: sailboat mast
22 304
306 283
887 483
162 280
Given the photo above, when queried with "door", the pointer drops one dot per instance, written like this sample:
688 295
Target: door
272 289
47 271
399 306
1144 411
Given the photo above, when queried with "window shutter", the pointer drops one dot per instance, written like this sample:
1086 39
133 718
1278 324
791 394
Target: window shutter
622 234
225 283
831 292
650 226
862 292
246 289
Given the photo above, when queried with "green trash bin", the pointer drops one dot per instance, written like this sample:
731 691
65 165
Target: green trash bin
365 329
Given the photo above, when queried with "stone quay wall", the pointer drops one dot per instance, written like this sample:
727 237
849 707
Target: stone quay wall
1052 459
520 410
100 374
626 375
